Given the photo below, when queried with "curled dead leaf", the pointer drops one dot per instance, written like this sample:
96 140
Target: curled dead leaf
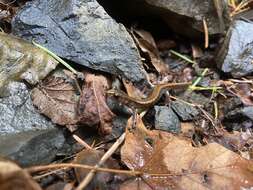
147 45
172 162
92 107
12 177
57 98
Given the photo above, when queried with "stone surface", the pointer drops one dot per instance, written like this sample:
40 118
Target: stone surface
184 16
240 113
20 60
41 149
19 120
10 143
194 97
184 111
248 112
81 31
17 113
166 119
236 53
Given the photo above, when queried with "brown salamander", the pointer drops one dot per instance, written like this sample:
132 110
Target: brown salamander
152 98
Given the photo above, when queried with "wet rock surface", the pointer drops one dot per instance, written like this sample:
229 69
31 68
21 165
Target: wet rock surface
166 119
41 149
20 60
17 113
184 111
19 120
184 16
11 143
81 31
236 53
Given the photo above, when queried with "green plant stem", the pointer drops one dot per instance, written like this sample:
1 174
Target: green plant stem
55 57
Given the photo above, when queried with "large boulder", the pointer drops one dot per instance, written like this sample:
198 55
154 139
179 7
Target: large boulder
183 16
236 53
81 31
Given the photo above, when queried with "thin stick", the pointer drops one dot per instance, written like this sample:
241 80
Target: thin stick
199 78
183 57
107 155
82 142
71 165
206 33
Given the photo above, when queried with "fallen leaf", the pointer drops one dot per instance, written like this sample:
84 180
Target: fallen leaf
166 44
57 98
187 129
61 186
172 162
132 91
235 140
91 157
197 52
241 90
12 177
147 45
21 60
92 108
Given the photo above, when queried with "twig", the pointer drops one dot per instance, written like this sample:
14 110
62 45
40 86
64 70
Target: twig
206 33
107 155
47 174
183 57
82 142
241 81
34 169
216 112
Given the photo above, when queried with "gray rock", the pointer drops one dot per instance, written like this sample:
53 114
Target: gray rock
19 120
248 112
236 53
11 143
166 119
41 149
81 31
184 111
184 16
231 104
189 14
195 98
17 113
240 114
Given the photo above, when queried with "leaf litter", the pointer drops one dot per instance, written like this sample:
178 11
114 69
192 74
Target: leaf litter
169 161
12 177
162 160
92 107
57 98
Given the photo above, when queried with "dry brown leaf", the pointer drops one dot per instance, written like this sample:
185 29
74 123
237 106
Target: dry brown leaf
91 157
187 129
132 91
147 44
235 140
57 98
197 52
241 90
61 186
166 44
12 177
172 162
92 108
